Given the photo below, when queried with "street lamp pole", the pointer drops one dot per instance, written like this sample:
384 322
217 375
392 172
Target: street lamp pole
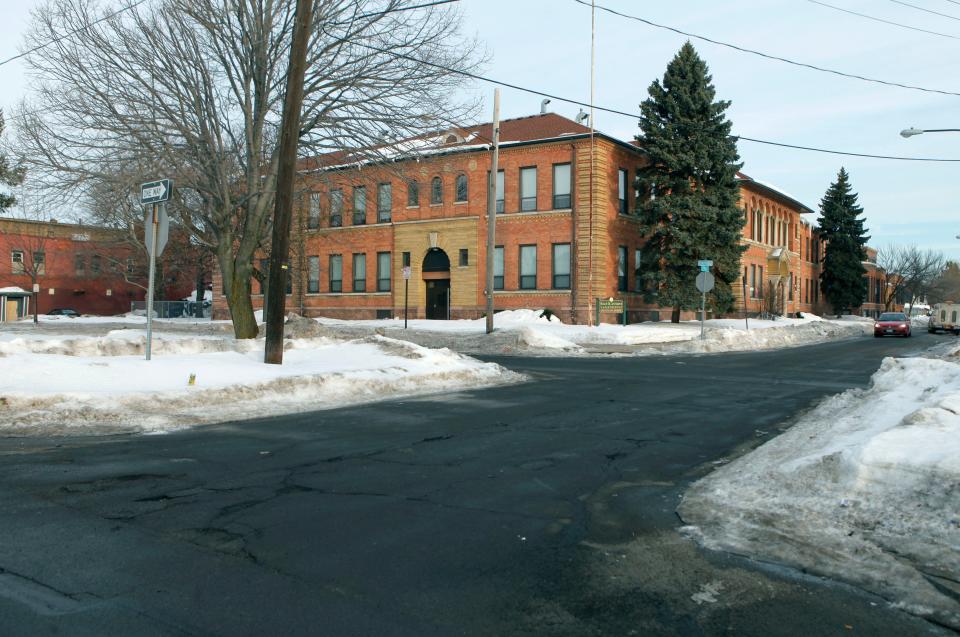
910 132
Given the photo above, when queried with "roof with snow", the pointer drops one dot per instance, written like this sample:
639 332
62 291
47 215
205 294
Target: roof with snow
13 290
773 191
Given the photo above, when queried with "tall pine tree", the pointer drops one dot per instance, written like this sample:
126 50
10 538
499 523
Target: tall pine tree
9 176
842 280
690 209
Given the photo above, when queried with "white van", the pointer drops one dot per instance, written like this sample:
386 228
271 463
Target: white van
944 317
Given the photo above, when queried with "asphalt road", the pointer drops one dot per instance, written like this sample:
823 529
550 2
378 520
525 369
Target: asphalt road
542 508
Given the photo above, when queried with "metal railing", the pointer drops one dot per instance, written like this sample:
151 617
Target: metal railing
170 309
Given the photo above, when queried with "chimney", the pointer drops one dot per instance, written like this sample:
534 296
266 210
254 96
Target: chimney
582 117
543 106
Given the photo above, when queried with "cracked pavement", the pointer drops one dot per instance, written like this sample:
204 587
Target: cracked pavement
542 508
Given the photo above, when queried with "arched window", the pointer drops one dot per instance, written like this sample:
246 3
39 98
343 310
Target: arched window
413 193
461 188
436 191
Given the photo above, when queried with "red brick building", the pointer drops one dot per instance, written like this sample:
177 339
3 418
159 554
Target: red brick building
781 265
565 232
563 238
86 268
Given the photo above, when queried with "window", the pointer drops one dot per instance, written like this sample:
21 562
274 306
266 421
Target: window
528 189
622 268
359 205
561 186
498 268
561 266
288 282
499 191
464 257
39 262
16 258
622 192
413 193
406 259
760 281
383 272
436 191
384 202
335 271
753 281
360 272
313 275
461 188
528 267
790 287
130 265
265 274
95 264
313 212
336 208
638 280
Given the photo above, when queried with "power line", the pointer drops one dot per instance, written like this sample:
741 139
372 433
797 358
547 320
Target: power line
398 9
913 6
769 56
568 100
614 111
890 22
71 33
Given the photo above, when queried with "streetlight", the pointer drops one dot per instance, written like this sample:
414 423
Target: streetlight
910 132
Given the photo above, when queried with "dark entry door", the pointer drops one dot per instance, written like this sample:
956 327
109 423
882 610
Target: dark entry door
438 292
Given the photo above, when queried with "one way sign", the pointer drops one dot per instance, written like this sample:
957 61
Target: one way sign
155 191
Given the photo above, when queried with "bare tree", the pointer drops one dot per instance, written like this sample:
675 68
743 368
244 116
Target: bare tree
192 90
946 287
27 243
911 272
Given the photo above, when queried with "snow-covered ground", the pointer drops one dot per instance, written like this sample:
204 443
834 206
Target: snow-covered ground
538 333
864 488
102 384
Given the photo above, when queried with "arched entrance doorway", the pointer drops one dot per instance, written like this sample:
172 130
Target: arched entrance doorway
436 275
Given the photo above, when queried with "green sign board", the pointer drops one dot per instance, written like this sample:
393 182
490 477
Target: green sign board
611 305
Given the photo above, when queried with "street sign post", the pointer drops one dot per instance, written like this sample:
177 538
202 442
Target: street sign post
704 265
162 230
156 229
705 282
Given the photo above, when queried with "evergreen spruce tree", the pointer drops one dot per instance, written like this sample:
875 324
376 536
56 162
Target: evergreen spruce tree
689 211
842 280
9 176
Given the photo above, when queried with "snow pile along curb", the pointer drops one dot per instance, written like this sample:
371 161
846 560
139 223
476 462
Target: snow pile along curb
93 386
864 488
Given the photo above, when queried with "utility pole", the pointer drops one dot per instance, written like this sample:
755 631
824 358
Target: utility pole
492 207
283 200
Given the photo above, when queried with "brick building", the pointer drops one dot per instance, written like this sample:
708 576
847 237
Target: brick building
781 265
565 234
85 268
563 239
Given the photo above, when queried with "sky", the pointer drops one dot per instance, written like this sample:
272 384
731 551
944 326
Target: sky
545 45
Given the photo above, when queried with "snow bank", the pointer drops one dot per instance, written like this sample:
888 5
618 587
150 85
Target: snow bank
864 488
103 385
537 332
792 334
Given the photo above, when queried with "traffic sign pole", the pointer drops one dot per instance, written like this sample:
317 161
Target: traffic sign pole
155 221
703 313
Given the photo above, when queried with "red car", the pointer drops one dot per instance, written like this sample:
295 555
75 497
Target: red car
892 324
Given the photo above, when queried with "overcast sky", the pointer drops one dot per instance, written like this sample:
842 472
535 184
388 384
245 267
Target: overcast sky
545 44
